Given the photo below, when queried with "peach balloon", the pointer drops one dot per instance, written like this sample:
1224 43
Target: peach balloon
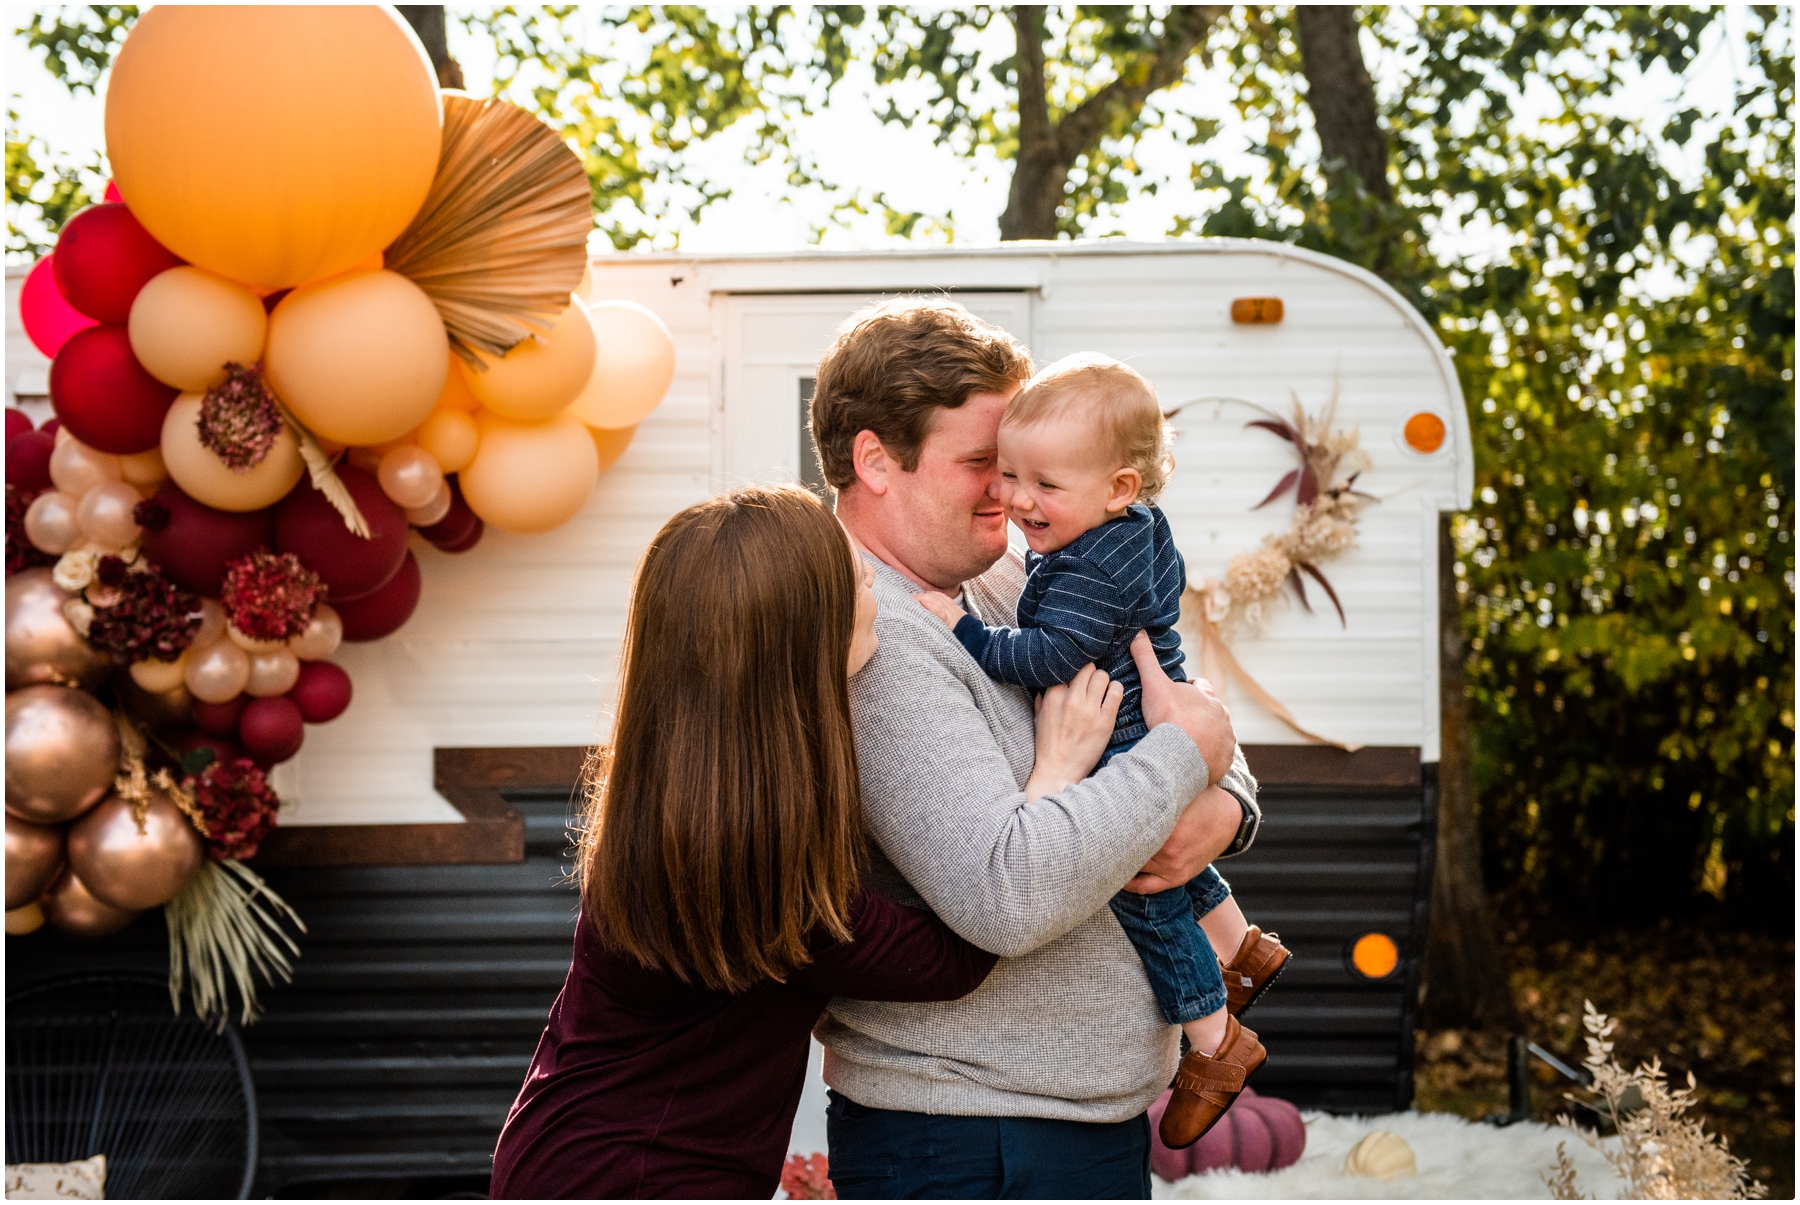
62 750
272 673
360 358
105 514
273 144
432 511
456 394
77 468
633 366
50 523
543 374
530 477
132 866
610 444
217 673
409 476
20 921
451 438
157 676
585 290
71 908
206 478
322 635
187 324
145 470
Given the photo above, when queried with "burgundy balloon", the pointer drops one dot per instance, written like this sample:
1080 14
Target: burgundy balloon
457 522
104 257
385 611
220 719
195 543
322 691
104 396
17 423
222 748
271 730
274 299
51 426
28 461
468 542
310 528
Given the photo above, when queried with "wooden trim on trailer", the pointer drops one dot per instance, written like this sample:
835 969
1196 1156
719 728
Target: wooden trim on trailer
1382 766
491 833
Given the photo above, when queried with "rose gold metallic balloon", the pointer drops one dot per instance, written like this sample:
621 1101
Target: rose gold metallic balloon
409 476
163 712
34 853
272 674
62 750
130 869
51 523
40 644
72 908
77 468
322 635
106 514
218 672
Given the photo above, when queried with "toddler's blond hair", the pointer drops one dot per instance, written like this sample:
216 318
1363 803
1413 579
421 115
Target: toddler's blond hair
1121 403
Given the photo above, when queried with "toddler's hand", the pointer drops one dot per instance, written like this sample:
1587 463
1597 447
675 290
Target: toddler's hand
941 607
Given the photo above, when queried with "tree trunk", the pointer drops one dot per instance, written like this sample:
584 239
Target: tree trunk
1342 97
1039 175
1465 969
427 21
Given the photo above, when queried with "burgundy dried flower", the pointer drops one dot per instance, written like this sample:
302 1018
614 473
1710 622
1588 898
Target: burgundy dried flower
270 596
239 805
239 419
146 615
20 554
150 515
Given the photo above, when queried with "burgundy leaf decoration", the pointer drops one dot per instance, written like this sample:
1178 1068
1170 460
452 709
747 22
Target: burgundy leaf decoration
1281 487
1313 570
1282 429
1309 486
1300 589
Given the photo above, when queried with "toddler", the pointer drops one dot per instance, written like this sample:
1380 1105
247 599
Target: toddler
1082 458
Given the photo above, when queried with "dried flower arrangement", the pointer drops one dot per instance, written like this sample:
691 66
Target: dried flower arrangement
238 805
270 596
136 612
21 554
1661 1154
240 418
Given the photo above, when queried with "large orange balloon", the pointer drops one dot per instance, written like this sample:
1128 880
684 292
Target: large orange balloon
530 477
203 477
537 378
273 144
360 359
633 365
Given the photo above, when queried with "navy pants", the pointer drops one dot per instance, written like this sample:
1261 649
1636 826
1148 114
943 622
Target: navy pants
1178 959
879 1154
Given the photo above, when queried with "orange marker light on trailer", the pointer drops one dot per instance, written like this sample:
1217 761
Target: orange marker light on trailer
1424 432
1256 311
1375 955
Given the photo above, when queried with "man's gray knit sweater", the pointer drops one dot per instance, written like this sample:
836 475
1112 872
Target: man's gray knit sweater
1066 1026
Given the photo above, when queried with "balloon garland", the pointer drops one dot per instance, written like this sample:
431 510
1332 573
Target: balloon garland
325 308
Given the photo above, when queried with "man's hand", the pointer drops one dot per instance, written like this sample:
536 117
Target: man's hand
941 607
1193 706
1205 830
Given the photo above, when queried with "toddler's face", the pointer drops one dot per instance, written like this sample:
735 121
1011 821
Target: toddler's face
1058 480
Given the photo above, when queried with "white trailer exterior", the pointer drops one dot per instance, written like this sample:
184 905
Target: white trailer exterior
515 643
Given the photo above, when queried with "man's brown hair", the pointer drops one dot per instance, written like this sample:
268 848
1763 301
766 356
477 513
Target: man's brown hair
893 366
724 827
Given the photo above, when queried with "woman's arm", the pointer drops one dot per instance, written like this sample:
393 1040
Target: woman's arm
896 953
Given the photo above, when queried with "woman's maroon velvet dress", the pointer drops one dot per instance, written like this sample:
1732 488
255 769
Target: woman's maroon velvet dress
644 1086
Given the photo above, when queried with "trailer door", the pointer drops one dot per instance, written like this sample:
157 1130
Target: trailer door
770 345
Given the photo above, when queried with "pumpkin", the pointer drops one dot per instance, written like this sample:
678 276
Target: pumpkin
1257 1134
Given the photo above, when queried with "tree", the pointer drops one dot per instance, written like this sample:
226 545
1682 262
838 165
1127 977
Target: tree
427 21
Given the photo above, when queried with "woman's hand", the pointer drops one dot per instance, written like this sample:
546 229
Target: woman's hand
1074 723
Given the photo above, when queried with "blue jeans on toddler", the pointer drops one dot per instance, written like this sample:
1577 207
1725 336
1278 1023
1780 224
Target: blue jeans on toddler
1178 959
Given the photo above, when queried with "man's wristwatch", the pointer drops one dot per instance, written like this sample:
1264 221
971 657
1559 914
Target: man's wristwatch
1246 833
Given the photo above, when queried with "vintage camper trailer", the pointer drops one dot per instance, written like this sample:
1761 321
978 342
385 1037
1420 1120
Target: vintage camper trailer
423 833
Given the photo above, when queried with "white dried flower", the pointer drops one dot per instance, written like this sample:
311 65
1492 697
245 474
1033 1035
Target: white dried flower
1252 576
75 570
79 615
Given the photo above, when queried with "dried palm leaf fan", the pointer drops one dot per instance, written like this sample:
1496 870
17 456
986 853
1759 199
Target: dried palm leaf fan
501 240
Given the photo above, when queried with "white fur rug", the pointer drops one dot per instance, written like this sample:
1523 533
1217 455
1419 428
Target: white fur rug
1458 1160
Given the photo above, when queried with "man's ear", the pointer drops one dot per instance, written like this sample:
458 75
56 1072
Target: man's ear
1125 486
869 457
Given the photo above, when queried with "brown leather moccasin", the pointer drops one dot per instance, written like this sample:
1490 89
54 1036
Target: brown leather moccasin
1205 1087
1259 961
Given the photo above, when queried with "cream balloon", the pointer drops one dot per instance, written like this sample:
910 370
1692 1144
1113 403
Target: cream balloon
409 476
530 477
322 635
187 324
77 468
158 676
360 358
206 478
432 511
633 365
543 374
272 673
105 514
145 470
217 673
212 624
450 435
50 523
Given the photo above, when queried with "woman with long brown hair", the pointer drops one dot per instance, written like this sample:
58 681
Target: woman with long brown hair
720 867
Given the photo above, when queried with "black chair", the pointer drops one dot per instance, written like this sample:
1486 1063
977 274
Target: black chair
100 1064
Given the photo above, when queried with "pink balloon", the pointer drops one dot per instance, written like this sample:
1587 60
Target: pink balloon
48 317
112 192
